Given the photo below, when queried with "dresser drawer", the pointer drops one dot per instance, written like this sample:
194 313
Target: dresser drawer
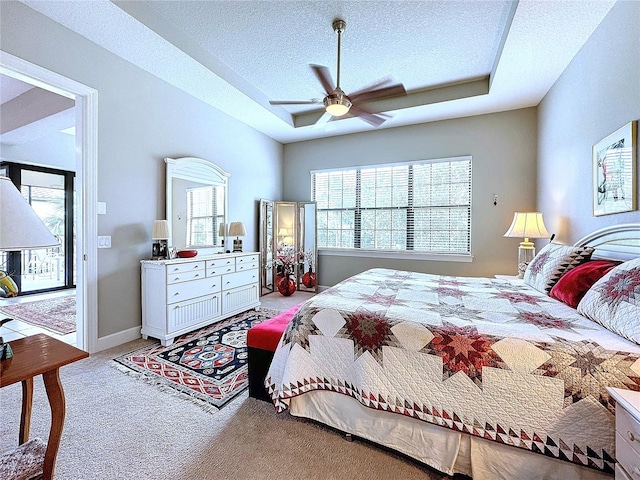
246 259
181 269
627 457
628 428
185 276
247 264
238 279
220 266
178 292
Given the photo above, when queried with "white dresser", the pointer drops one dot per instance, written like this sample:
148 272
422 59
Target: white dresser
185 294
627 433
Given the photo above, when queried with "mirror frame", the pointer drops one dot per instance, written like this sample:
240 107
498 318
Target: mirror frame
201 171
267 252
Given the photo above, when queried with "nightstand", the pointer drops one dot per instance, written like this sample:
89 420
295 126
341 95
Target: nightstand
627 433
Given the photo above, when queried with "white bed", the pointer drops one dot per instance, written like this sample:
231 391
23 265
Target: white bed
429 435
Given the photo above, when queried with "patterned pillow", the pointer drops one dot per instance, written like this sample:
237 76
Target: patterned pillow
553 261
574 284
614 301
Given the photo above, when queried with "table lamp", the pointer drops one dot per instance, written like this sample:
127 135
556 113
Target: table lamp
20 229
222 232
236 229
526 225
160 235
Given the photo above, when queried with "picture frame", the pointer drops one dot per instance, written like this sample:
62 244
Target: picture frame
614 161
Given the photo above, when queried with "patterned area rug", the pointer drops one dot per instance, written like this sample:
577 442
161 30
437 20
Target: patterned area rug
209 365
55 314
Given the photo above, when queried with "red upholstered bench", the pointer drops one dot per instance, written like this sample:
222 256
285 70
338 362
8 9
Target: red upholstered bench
262 341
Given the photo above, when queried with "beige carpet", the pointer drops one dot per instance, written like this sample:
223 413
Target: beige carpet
120 428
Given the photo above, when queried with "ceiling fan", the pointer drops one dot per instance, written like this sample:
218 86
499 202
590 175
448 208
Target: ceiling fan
337 103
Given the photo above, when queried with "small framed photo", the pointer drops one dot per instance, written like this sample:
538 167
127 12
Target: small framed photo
614 172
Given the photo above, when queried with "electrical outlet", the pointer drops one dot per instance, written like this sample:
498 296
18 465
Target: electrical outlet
104 241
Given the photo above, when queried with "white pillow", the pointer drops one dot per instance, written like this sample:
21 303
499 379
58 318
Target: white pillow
552 262
614 301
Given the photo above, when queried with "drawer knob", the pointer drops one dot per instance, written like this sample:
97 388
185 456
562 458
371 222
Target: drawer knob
631 436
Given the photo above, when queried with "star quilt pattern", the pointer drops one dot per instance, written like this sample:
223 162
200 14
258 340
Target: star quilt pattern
487 357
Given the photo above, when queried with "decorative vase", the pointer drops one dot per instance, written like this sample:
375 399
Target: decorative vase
309 278
286 286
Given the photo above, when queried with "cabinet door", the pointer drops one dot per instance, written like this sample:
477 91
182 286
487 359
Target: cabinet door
190 314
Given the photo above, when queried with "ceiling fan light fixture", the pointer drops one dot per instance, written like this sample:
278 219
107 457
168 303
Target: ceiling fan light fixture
337 103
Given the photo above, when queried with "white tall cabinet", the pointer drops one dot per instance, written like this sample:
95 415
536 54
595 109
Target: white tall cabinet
184 294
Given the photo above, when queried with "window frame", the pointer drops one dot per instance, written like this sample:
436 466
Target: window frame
401 254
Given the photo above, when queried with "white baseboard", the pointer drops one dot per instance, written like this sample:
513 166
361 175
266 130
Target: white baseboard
119 338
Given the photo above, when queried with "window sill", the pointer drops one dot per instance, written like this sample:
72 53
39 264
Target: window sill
436 257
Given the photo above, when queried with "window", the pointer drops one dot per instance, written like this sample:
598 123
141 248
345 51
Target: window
204 212
422 206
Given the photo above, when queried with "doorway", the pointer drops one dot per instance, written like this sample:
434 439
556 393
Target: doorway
85 113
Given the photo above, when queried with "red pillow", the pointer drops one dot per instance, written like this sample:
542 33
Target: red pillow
574 284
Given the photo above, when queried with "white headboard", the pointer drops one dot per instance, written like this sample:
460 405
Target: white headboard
617 242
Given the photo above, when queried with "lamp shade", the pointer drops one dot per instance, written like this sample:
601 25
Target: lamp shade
20 227
160 230
222 230
527 225
236 229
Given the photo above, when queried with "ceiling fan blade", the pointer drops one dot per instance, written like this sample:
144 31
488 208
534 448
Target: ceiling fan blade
294 102
373 86
324 77
390 91
373 119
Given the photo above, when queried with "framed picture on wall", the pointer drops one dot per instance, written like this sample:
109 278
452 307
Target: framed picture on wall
614 171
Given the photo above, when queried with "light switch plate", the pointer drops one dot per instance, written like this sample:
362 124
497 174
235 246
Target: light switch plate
102 208
104 241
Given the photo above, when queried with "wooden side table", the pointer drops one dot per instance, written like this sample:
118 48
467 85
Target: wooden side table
40 355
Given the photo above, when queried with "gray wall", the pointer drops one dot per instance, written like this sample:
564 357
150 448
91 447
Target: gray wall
142 120
503 147
598 93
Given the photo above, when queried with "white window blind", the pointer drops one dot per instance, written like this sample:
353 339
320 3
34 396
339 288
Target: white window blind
420 206
201 215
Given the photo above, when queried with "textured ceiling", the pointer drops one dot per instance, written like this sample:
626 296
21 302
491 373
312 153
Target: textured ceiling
455 57
421 44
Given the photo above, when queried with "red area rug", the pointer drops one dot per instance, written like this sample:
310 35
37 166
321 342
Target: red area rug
209 365
57 314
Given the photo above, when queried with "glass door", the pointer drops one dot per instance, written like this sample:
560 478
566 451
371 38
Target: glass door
51 195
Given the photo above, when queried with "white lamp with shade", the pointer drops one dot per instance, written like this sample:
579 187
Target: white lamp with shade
160 235
20 229
526 225
236 229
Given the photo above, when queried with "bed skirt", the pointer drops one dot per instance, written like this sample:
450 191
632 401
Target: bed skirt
443 449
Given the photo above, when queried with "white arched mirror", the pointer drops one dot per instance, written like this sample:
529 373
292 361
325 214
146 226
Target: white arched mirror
197 204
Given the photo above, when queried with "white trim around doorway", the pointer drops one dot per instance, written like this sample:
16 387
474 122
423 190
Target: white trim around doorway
86 170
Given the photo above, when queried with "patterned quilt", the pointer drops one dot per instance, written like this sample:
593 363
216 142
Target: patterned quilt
487 357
